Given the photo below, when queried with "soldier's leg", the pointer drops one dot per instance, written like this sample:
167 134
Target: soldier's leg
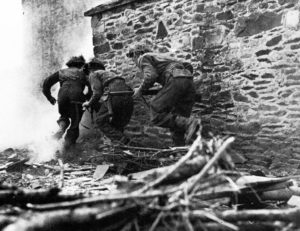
63 122
76 113
103 123
172 107
162 104
183 111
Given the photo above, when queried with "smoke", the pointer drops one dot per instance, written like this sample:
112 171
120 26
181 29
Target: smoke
24 120
27 120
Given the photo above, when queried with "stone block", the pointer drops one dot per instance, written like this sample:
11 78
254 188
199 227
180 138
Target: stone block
197 18
161 31
295 47
274 41
111 36
142 19
267 76
197 43
253 94
144 30
257 23
99 39
200 8
237 96
262 52
227 15
268 108
117 46
101 49
291 19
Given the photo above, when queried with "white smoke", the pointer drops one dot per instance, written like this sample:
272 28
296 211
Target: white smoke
24 120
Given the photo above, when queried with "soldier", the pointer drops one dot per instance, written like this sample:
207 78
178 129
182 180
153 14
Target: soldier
171 107
115 111
70 97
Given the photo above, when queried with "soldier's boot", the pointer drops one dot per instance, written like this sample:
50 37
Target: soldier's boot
192 125
63 125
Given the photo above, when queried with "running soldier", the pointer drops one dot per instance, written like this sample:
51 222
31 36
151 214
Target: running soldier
171 107
115 111
70 98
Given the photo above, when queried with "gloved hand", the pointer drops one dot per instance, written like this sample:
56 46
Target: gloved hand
137 93
52 100
85 105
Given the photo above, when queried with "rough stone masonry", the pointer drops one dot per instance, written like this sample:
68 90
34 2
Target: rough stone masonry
245 54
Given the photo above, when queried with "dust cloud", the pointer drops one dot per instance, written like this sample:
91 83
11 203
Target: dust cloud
27 120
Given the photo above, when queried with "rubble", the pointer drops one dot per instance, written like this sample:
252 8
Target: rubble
199 189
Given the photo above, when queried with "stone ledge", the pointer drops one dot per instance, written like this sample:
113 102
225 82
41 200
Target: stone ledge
108 5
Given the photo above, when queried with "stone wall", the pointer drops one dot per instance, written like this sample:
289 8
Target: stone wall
245 55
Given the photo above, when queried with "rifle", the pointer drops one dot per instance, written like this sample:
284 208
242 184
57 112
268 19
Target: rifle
153 91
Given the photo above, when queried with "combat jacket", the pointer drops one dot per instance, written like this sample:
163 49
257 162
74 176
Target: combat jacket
99 80
160 67
71 75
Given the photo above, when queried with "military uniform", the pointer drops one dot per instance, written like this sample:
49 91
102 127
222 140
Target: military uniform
115 112
172 106
70 96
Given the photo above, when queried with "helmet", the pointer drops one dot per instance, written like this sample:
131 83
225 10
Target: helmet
96 64
76 61
138 48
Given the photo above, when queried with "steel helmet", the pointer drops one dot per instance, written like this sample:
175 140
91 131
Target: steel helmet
76 61
96 64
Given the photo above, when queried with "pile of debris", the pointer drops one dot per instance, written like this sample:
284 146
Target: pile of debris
201 190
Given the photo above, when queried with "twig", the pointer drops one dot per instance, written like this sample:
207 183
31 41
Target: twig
221 222
136 225
98 199
210 163
139 148
173 168
61 164
187 222
155 223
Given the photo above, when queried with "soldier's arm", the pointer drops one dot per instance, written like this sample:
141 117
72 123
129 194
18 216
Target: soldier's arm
48 83
149 73
96 86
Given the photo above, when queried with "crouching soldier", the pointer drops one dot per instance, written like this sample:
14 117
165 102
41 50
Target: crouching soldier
115 111
70 98
171 107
